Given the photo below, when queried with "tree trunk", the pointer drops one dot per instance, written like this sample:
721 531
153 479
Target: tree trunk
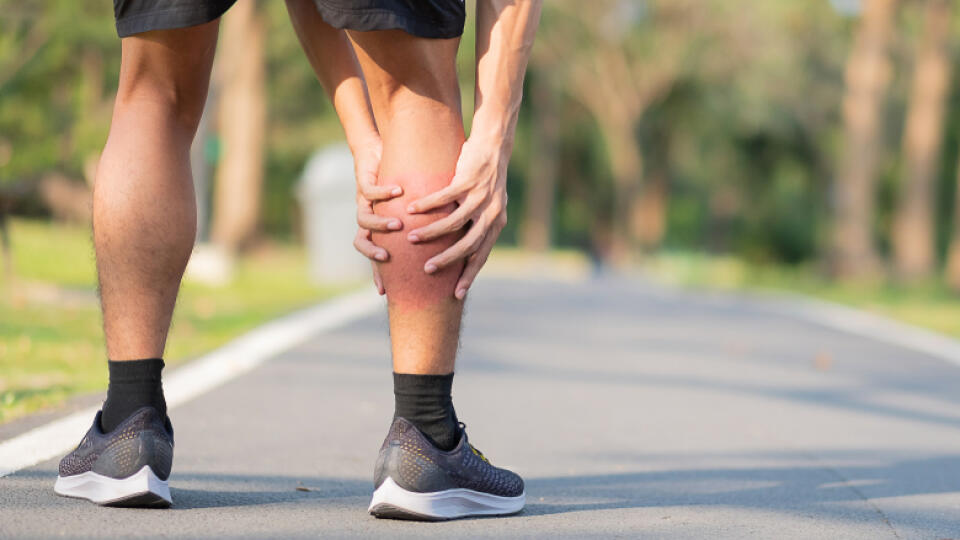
542 177
626 165
6 249
649 211
242 122
952 272
914 228
867 76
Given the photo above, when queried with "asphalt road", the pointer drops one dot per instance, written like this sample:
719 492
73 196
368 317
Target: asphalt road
630 410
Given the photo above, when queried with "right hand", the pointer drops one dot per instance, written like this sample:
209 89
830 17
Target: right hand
366 160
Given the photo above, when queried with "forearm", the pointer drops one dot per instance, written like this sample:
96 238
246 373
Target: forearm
505 32
333 60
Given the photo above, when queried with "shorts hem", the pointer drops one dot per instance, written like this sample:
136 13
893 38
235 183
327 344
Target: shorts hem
169 19
370 19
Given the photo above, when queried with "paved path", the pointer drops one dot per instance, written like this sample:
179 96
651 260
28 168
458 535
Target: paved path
631 411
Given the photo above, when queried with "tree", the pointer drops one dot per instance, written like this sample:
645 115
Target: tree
618 58
535 234
56 86
952 272
867 76
914 227
242 116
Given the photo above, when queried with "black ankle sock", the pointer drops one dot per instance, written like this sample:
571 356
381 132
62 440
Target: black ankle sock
425 401
133 384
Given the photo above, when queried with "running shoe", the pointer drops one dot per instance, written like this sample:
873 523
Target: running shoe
127 467
415 480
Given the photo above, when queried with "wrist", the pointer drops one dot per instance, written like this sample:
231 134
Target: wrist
493 129
358 125
360 140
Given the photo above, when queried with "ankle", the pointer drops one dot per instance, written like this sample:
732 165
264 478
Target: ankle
425 401
133 384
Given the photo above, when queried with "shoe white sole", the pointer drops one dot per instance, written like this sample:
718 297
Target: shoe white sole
142 488
392 501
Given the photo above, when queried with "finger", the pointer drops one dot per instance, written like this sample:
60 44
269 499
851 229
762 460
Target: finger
437 199
373 192
367 248
377 280
372 222
446 225
474 263
461 249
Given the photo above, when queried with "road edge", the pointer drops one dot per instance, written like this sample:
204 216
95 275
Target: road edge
199 376
833 316
862 323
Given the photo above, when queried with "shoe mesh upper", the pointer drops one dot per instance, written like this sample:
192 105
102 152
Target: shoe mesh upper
142 439
422 467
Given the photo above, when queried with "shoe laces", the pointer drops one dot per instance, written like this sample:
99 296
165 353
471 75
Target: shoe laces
476 452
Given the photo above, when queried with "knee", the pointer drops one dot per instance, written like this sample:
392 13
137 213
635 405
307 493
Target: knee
179 102
404 72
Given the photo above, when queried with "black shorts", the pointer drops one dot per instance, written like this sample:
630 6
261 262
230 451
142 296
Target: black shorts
423 18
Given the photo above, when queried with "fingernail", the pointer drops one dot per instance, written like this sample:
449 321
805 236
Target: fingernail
381 256
430 268
461 293
394 225
396 191
411 209
413 238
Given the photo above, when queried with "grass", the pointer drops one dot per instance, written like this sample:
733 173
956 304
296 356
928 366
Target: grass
51 343
929 304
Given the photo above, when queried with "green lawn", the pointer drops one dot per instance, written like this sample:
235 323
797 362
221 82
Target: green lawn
929 304
51 345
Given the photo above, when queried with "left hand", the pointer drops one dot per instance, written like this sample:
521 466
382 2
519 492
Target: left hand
366 158
479 187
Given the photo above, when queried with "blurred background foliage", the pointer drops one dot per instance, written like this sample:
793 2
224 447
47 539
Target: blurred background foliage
648 125
812 141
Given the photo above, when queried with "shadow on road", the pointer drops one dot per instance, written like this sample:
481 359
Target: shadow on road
856 398
252 490
805 490
811 491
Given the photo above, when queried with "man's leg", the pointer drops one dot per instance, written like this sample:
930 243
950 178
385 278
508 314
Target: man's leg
416 102
144 209
144 223
426 468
